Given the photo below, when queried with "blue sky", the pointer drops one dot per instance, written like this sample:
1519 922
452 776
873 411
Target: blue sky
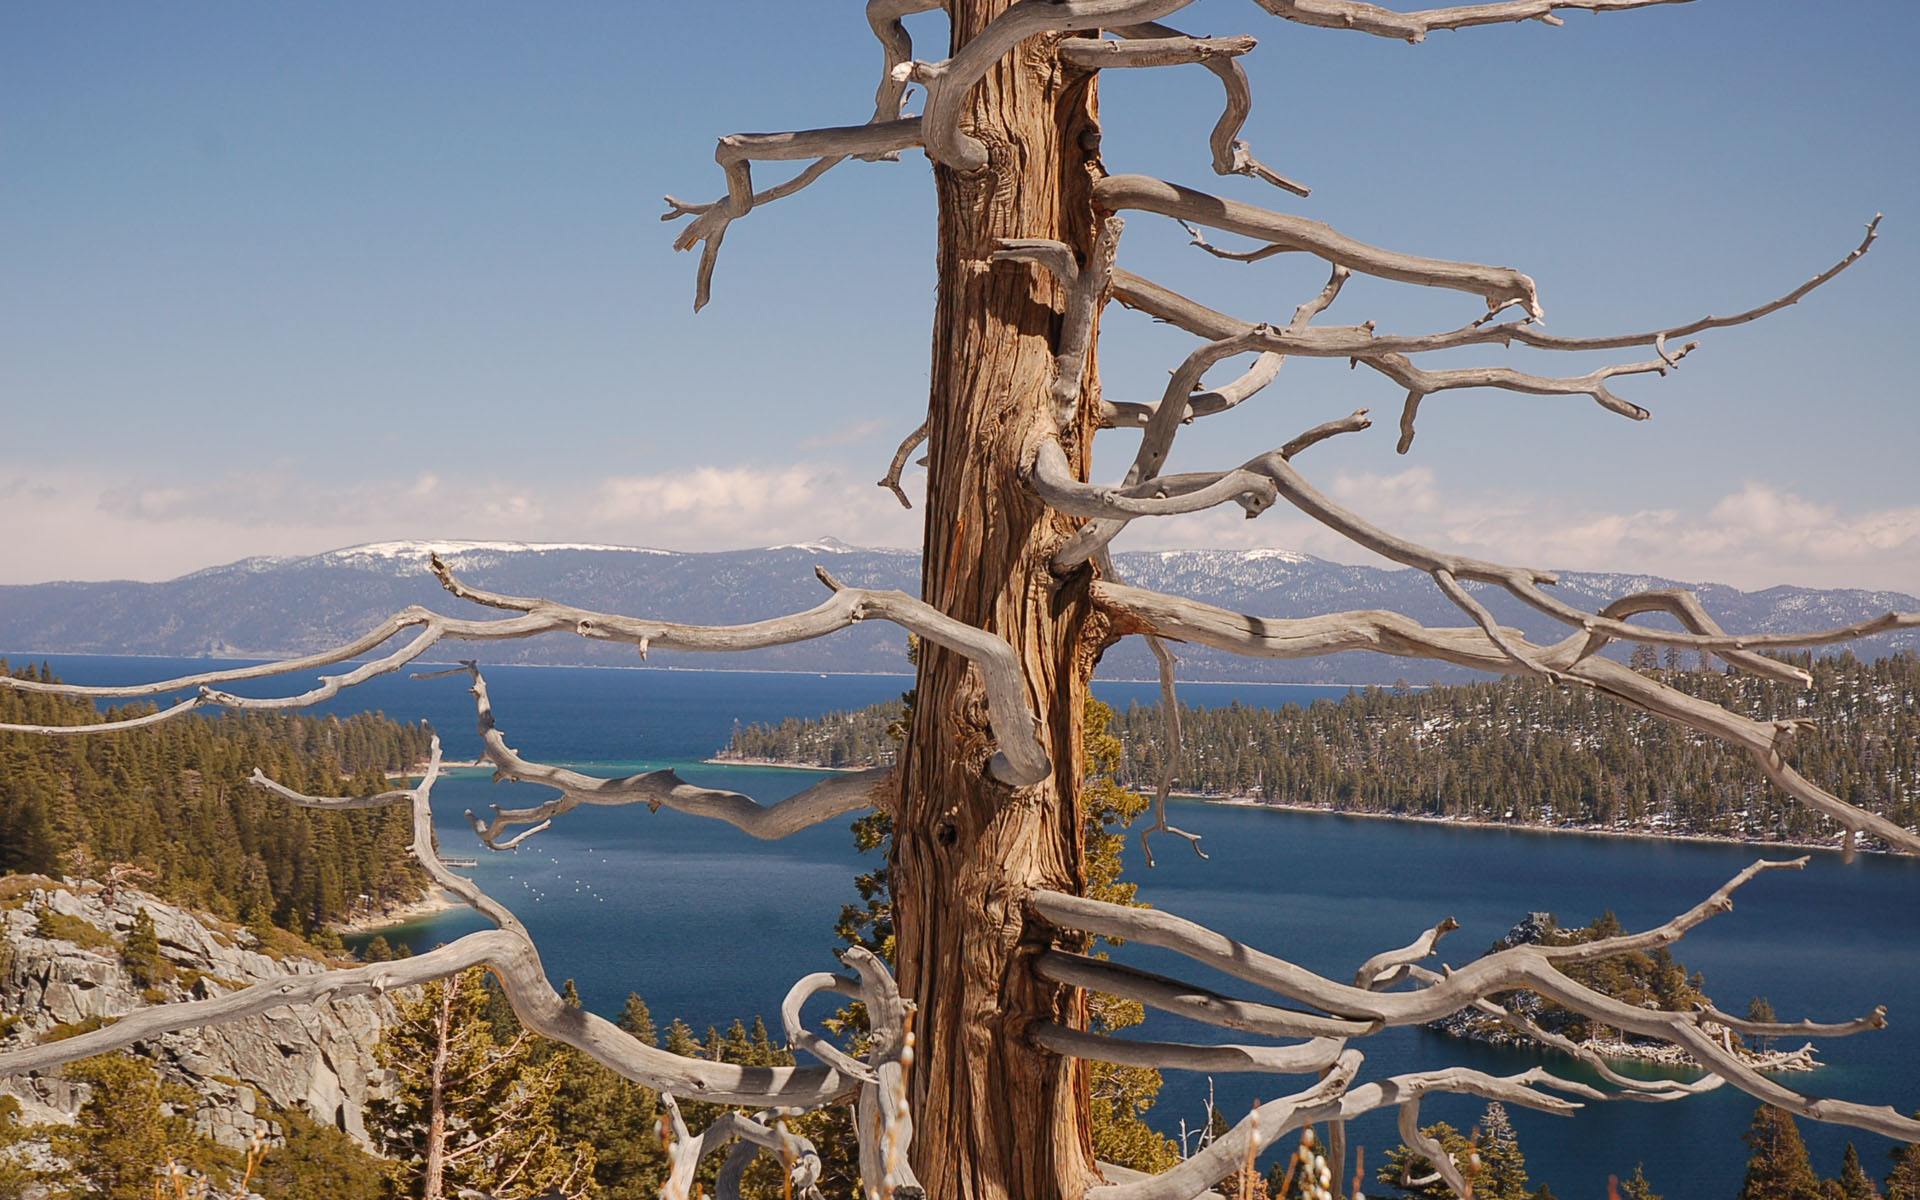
279 278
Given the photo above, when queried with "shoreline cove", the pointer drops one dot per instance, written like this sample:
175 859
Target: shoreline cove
437 900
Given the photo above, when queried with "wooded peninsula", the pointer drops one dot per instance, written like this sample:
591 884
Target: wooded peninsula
1517 751
172 801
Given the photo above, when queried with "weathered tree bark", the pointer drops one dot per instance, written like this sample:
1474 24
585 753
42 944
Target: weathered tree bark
994 1115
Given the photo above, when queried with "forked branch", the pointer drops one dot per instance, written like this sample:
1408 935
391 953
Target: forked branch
736 153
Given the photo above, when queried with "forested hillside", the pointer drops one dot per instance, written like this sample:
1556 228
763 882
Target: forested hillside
173 799
1512 749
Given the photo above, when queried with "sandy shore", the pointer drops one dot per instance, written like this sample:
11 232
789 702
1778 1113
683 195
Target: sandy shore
723 761
1530 827
437 900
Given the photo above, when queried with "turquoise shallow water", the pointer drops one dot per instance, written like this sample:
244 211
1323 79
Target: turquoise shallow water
709 924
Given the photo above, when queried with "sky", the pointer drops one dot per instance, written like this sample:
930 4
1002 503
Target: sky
276 279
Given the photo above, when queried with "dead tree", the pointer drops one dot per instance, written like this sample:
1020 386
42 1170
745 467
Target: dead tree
976 1082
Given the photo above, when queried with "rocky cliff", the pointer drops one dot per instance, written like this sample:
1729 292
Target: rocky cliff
64 964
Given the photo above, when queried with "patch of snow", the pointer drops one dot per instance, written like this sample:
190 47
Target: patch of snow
393 551
825 545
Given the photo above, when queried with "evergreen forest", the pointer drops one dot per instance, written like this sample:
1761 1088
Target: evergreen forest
1515 750
171 802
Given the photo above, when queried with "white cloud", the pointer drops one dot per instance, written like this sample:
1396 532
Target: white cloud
748 506
1756 537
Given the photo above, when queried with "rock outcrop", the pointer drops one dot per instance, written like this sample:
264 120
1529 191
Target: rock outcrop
319 1059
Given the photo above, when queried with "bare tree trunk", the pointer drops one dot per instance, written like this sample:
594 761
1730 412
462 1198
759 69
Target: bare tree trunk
434 1174
994 1115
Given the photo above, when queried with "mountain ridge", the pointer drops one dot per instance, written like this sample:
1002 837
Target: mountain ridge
272 606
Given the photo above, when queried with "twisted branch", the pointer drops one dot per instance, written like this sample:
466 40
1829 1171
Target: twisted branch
896 46
1154 45
735 154
891 480
832 797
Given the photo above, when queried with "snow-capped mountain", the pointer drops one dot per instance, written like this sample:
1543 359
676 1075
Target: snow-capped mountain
271 606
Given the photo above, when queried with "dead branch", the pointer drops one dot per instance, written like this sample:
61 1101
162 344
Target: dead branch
1498 286
507 950
1421 383
735 154
1191 1000
1384 969
1363 341
1414 26
1253 485
891 480
1265 368
896 46
749 1136
1153 45
832 797
1298 1059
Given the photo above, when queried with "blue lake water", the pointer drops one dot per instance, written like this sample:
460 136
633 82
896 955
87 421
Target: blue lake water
710 925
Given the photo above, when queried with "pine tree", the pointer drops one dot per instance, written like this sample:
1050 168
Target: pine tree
14 1175
141 952
467 1111
127 1131
1761 1009
1855 1183
1490 1159
1638 1187
1903 1181
315 1161
618 1117
1407 1173
1503 1168
637 1020
1120 1096
1778 1168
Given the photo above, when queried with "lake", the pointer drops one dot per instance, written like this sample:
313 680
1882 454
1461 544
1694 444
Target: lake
708 924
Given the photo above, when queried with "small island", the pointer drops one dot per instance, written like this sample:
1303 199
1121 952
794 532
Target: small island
1653 980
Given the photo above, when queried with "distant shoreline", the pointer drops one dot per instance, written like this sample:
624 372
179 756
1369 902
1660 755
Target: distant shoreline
1649 835
252 656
